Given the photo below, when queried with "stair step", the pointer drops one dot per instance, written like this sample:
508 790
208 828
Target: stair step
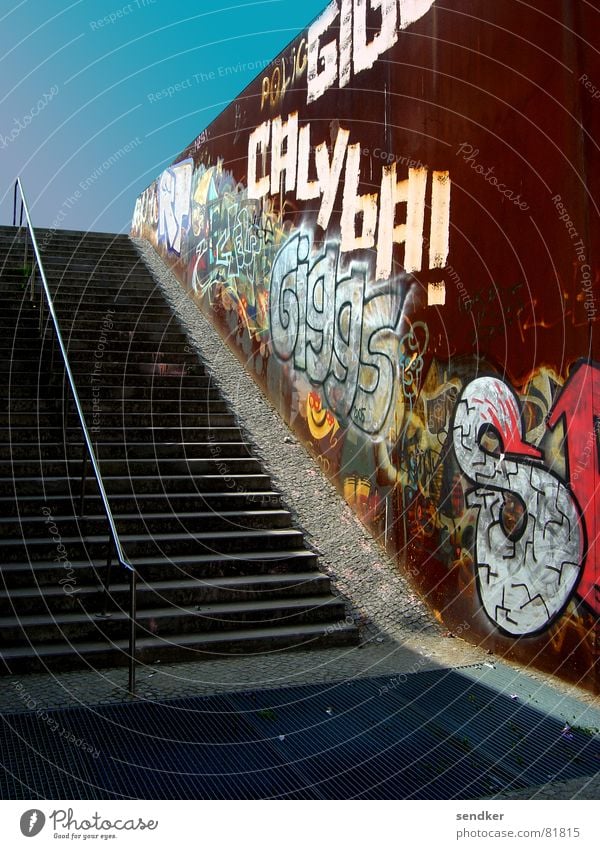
119 450
195 432
109 379
199 387
177 591
158 334
151 407
97 279
197 467
189 647
80 359
167 544
102 304
174 502
111 420
130 484
140 523
199 566
166 621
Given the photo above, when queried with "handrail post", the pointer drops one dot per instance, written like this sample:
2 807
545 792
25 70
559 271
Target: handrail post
32 283
132 630
15 205
108 577
84 466
41 320
52 360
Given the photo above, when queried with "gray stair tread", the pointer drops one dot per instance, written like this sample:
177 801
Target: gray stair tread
232 583
130 461
77 479
125 517
127 445
214 608
180 561
169 496
88 649
125 538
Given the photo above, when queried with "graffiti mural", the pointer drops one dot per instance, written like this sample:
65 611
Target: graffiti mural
430 341
528 535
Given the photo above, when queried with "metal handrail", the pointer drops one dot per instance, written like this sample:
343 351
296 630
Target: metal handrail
89 450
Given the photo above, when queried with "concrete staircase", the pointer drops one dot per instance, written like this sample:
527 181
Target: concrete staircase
221 567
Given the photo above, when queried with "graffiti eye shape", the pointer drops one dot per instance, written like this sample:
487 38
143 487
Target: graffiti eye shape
467 538
490 441
513 516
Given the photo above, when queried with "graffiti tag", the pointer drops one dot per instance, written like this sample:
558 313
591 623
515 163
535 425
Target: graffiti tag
346 340
529 542
174 204
334 60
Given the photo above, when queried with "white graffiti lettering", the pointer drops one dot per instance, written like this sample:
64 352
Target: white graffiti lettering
345 338
333 60
367 220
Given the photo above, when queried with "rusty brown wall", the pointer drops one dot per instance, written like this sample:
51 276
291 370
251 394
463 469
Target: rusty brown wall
405 256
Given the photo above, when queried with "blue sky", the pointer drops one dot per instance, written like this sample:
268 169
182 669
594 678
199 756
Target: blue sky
80 81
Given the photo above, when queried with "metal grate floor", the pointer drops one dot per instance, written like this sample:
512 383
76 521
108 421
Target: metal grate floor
441 734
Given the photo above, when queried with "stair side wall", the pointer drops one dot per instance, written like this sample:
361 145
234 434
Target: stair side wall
392 228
